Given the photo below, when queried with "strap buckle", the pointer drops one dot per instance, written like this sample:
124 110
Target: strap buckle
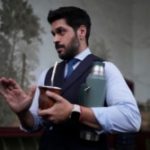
89 136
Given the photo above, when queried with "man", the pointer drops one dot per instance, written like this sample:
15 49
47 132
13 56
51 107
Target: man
67 124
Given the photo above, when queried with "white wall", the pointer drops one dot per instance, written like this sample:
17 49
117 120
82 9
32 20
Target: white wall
141 49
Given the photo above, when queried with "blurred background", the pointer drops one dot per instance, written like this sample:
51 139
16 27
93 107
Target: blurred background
120 33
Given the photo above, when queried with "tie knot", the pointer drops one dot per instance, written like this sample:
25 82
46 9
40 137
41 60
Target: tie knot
71 63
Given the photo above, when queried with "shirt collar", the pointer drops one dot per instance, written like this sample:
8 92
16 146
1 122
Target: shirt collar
81 56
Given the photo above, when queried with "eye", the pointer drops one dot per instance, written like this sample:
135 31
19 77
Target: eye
61 31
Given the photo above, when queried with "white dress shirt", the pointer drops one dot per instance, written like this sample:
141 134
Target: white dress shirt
122 113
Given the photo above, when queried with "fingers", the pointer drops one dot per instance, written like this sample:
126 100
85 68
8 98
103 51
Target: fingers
3 82
44 112
14 84
6 86
54 96
8 83
48 115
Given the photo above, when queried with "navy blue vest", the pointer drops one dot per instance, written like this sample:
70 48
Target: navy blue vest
70 91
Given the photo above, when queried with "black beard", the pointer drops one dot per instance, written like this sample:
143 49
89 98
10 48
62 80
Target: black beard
71 50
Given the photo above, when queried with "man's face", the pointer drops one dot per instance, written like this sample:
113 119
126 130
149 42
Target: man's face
65 39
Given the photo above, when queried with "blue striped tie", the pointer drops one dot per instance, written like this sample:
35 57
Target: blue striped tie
71 63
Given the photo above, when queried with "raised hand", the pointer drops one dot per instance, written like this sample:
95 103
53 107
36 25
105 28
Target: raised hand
18 100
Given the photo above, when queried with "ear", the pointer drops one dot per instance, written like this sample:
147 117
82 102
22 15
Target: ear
81 32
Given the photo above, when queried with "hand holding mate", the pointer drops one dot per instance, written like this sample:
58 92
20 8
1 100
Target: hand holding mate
60 111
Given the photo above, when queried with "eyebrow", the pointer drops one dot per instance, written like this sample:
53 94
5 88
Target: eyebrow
58 30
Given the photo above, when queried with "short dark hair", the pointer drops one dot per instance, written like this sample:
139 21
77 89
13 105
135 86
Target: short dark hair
74 16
